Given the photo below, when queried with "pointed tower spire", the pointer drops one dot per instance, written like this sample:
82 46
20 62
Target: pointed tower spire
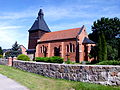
41 14
40 23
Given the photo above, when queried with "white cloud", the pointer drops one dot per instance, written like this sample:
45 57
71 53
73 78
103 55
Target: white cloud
11 29
10 34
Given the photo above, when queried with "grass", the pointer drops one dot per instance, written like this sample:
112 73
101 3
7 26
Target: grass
37 82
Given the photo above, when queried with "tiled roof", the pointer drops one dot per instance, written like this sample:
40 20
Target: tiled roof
59 35
87 41
40 23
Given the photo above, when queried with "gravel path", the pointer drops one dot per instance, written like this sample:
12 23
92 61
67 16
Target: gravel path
9 84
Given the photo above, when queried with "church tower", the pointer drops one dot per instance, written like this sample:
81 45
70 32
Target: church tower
38 28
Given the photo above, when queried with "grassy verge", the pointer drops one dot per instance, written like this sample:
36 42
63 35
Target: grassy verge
37 82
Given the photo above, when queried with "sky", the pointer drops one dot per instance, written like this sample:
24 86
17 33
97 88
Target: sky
17 16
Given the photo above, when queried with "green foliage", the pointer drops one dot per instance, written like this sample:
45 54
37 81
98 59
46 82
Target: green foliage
110 27
93 52
109 62
1 51
7 54
68 61
112 53
99 49
14 51
1 56
23 57
103 47
54 59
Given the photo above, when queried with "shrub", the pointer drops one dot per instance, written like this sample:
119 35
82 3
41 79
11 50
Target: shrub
41 59
109 62
56 59
69 62
53 59
1 56
23 57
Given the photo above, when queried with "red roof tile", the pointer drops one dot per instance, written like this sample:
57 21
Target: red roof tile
63 34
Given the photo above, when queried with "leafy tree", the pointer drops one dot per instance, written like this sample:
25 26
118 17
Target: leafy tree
110 27
113 53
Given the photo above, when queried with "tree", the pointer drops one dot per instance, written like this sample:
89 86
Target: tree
113 53
14 51
99 49
93 52
103 47
110 27
1 51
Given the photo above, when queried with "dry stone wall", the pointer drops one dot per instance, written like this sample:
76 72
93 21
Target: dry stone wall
3 61
100 74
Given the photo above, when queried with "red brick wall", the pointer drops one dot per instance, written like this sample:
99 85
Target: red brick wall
51 45
33 37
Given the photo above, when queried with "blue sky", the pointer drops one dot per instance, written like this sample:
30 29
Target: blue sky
17 16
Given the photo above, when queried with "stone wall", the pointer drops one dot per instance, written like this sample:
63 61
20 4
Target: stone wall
100 74
3 61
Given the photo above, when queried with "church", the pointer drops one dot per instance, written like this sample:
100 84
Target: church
72 44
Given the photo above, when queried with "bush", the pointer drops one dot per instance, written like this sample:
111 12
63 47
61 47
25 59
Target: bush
41 59
53 59
69 62
23 57
109 62
1 56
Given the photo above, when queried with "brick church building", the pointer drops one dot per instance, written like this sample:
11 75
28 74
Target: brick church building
72 43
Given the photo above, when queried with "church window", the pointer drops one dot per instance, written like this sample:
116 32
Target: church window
67 48
71 47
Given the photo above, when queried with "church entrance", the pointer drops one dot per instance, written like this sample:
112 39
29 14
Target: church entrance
56 51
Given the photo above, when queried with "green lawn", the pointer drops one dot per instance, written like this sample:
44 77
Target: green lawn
37 82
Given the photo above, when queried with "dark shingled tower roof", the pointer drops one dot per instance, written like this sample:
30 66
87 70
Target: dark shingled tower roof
87 41
40 23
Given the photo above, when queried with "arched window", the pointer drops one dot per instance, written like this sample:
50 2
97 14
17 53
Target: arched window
73 48
40 49
67 48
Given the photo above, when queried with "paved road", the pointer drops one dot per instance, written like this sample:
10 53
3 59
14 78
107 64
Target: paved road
9 84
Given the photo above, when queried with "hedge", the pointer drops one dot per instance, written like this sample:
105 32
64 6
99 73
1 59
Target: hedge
54 59
23 57
109 62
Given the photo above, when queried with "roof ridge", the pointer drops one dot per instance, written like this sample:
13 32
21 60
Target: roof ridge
62 30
